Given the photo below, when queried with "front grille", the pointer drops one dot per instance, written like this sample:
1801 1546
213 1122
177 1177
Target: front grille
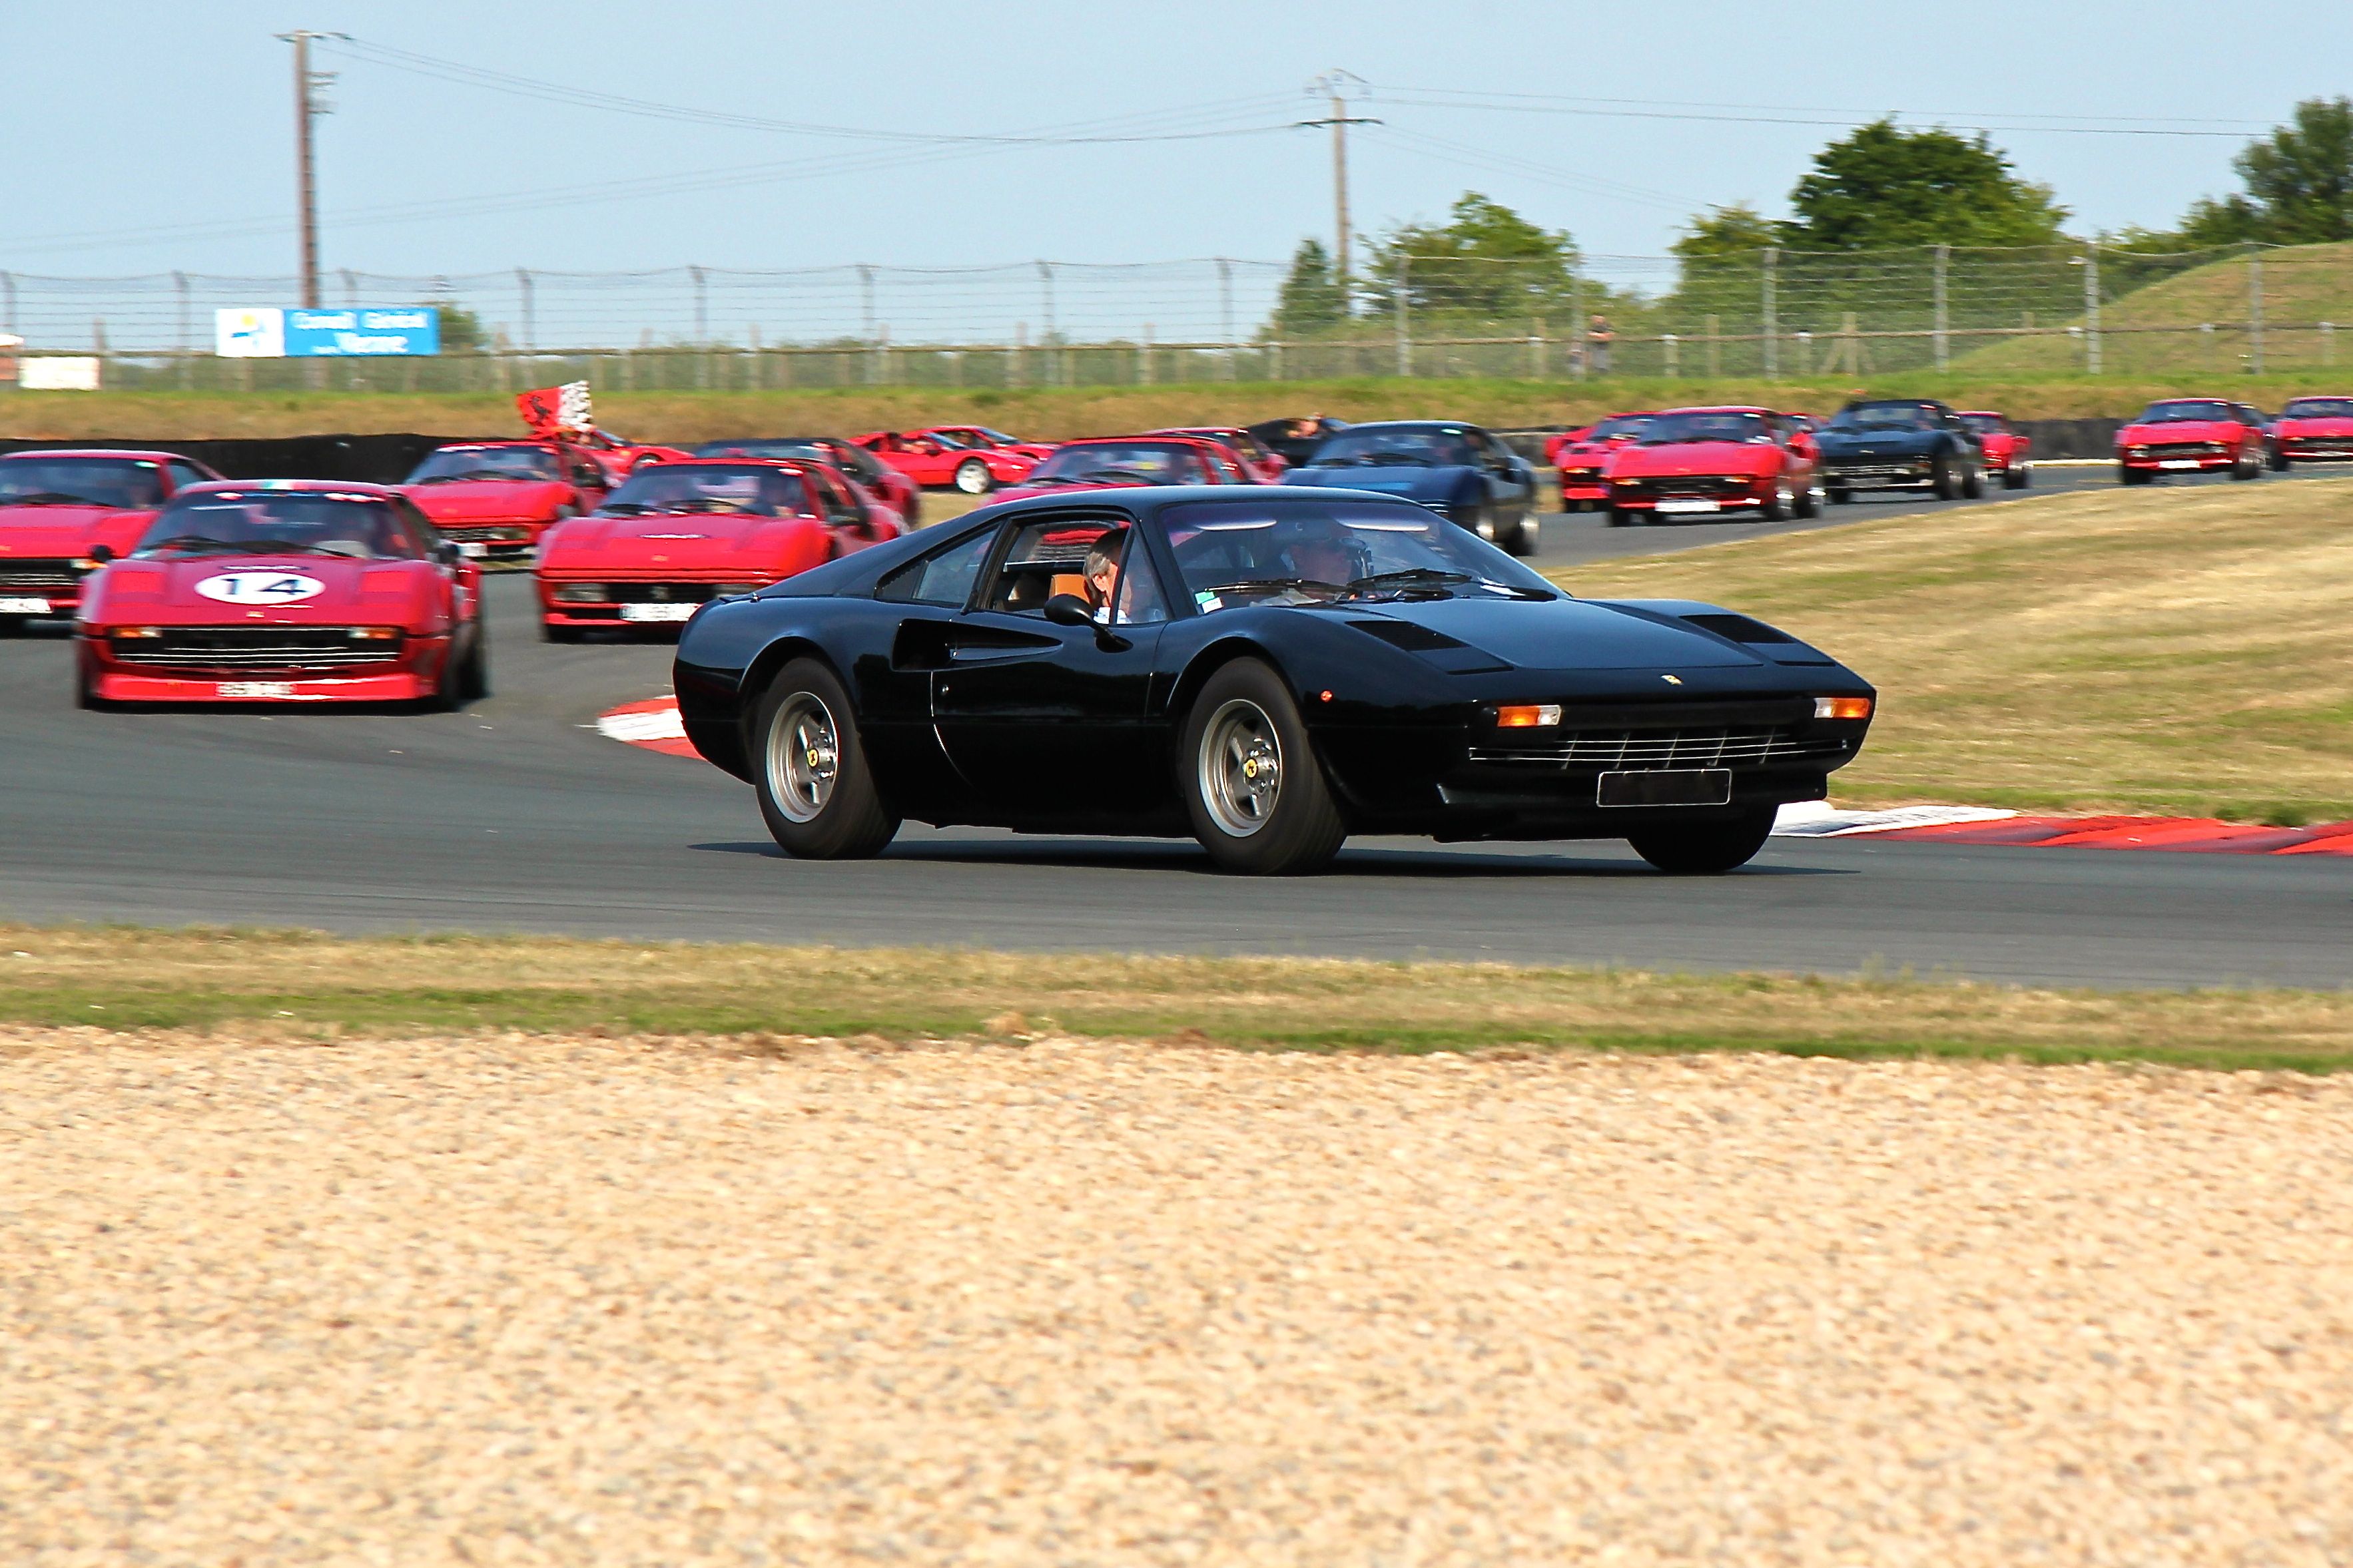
486 533
1690 485
1872 471
38 575
2185 448
254 647
1616 750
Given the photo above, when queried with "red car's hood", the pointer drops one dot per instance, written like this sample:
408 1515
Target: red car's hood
2183 430
459 500
49 532
2330 425
289 590
1692 457
684 541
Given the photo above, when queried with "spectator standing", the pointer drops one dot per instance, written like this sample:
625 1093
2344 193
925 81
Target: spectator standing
1599 340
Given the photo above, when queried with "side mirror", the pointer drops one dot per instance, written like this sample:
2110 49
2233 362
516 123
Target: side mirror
1070 610
101 553
447 553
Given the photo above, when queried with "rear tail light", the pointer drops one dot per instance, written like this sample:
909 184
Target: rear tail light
1842 707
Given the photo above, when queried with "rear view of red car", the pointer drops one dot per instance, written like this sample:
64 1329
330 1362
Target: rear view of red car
2008 451
56 507
679 535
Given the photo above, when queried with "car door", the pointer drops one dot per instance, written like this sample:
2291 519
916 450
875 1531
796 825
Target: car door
1048 722
1510 486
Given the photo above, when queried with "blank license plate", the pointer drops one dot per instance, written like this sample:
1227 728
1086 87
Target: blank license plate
2180 463
256 689
1674 787
24 606
659 612
472 550
1689 506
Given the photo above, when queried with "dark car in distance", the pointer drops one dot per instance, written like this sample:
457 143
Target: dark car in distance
1900 444
1267 670
1458 469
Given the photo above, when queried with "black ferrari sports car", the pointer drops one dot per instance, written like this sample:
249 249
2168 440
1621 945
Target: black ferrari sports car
1268 671
1900 444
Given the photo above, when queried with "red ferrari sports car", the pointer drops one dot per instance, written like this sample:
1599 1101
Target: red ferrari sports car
943 456
1715 463
1583 456
884 483
2191 436
2009 452
2313 430
496 497
57 507
1109 462
680 534
1263 464
284 591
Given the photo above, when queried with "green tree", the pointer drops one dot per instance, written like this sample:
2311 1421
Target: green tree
1883 186
1487 262
1311 301
2299 182
1736 230
460 329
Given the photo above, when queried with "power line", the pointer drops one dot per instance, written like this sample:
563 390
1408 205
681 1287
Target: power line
1772 114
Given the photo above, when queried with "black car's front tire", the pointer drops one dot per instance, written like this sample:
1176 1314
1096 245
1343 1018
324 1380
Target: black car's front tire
1252 787
1705 849
809 769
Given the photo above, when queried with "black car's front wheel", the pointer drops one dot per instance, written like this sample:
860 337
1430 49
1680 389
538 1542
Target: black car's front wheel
1705 849
817 793
1252 787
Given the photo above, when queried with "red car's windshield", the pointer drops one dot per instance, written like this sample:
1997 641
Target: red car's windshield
1626 426
260 522
1667 428
131 483
756 489
1124 462
2318 409
452 463
2187 412
1986 423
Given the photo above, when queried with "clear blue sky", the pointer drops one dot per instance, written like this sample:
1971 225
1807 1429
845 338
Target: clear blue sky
125 117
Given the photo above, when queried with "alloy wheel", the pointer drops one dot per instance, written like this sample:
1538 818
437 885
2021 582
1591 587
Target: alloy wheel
803 757
1241 768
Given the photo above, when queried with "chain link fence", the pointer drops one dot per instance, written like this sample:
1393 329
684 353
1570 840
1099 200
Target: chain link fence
2060 310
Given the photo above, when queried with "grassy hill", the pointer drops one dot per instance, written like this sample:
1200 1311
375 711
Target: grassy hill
2170 650
2154 329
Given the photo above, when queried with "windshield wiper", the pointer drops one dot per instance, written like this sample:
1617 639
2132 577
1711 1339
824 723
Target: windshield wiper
622 509
192 543
51 498
1398 460
1276 585
1408 577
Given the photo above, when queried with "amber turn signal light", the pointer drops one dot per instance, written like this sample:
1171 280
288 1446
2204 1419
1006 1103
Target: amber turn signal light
1534 716
1842 707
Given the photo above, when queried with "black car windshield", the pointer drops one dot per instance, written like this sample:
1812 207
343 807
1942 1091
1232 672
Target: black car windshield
1669 429
262 523
1318 552
1885 417
2188 411
1373 447
486 463
131 483
1122 462
1623 425
754 489
2318 409
1986 423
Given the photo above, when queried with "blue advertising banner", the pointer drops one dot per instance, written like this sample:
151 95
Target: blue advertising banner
406 330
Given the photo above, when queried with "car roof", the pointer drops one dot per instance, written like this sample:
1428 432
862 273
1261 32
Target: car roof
1414 425
543 442
296 487
1720 408
136 454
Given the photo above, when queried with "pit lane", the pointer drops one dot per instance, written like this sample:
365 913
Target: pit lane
516 816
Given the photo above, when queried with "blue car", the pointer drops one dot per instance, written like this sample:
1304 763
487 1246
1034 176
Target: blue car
1459 470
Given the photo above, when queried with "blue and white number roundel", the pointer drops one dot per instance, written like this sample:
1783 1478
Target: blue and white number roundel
260 587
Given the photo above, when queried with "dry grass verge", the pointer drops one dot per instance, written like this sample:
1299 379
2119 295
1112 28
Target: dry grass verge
303 986
2164 650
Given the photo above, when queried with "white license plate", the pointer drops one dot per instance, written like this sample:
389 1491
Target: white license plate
1689 506
472 549
256 688
659 612
24 606
2181 463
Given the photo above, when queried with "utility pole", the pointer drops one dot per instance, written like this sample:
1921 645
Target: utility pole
1335 86
310 102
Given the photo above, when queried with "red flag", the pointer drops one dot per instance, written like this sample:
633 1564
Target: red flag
549 412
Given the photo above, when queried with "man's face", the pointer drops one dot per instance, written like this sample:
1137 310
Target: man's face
1322 561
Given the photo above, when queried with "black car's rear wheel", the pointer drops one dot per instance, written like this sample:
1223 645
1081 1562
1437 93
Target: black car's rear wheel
2018 477
1705 849
1948 480
1836 496
1252 787
817 793
1973 481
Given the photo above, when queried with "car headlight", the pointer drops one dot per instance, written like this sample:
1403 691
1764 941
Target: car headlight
1842 707
376 634
579 593
129 633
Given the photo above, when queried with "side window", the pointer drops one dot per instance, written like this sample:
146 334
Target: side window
1228 471
1141 602
1049 558
184 473
942 577
838 506
418 525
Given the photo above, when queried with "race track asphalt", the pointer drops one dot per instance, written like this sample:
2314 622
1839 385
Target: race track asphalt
517 816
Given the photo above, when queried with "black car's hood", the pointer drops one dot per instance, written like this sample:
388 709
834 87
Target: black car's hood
1877 443
1563 633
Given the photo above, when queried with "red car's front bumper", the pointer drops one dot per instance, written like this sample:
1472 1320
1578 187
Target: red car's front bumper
39 589
2202 462
652 602
496 537
413 675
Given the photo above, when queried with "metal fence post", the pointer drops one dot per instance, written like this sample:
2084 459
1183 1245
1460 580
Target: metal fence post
1226 308
1772 325
1046 340
2328 342
1404 328
1578 346
1671 344
1015 370
530 311
2255 310
2093 350
8 303
1535 349
179 293
1144 367
1715 347
1943 321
